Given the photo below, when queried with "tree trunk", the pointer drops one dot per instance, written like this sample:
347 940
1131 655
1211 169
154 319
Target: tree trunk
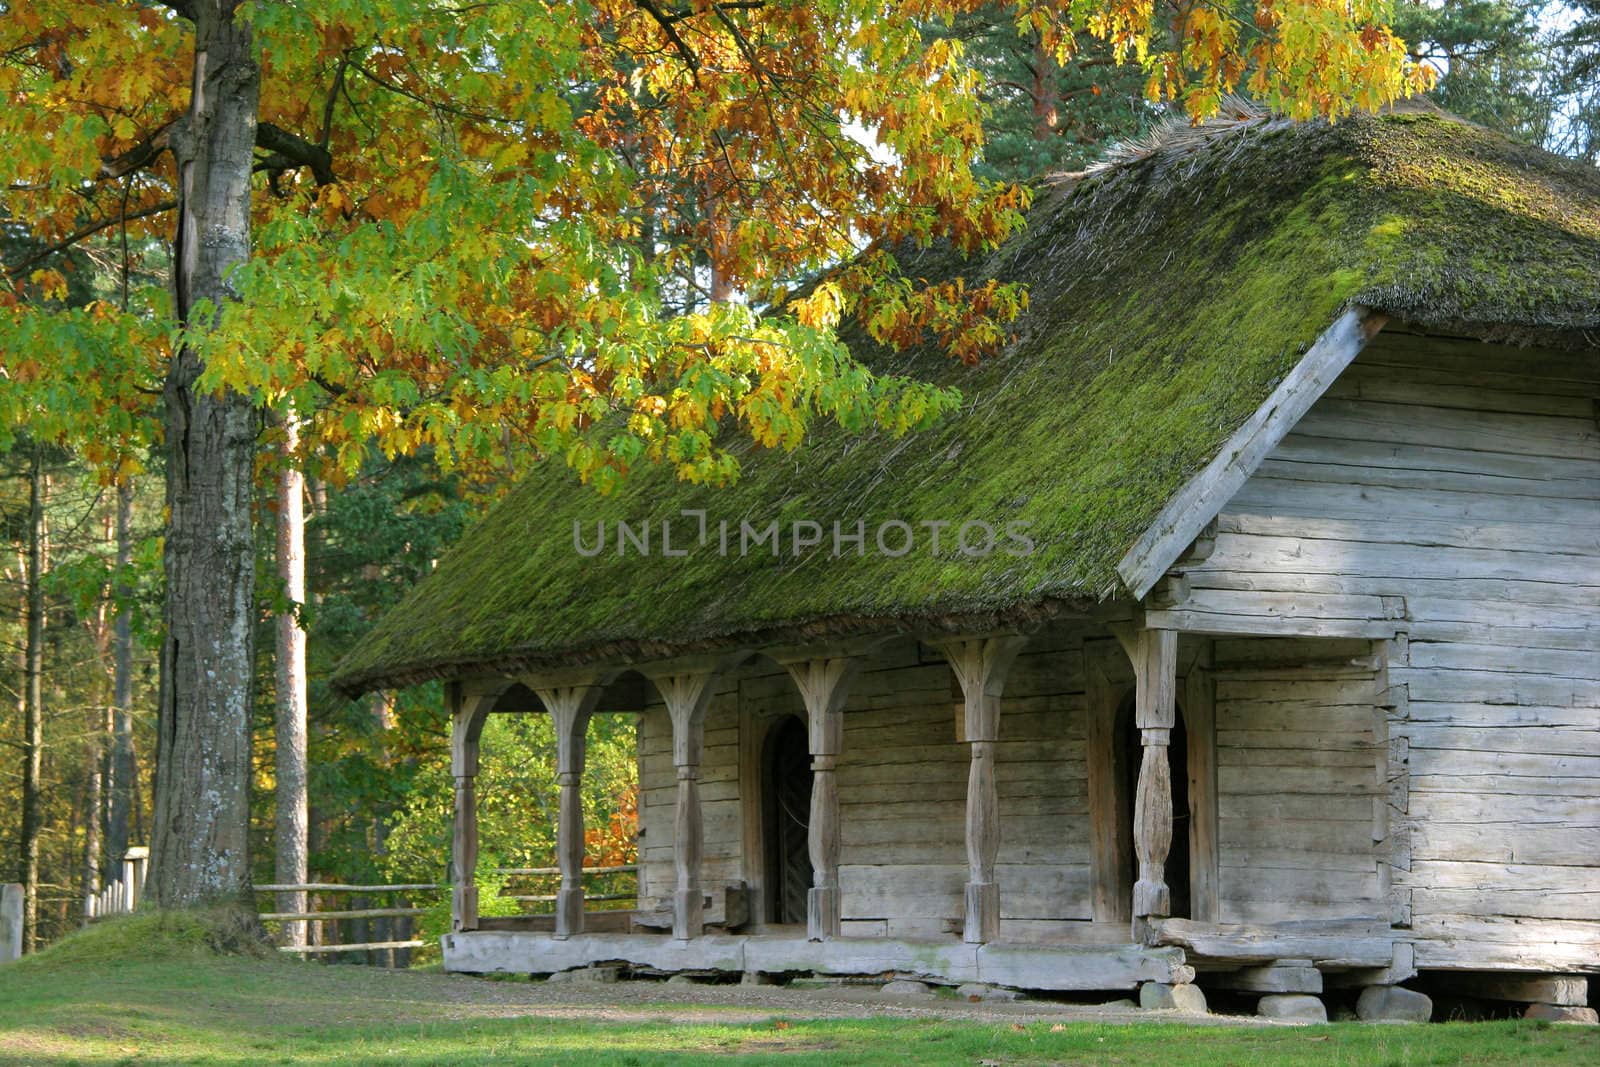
98 745
122 785
33 702
1046 92
92 799
200 846
290 859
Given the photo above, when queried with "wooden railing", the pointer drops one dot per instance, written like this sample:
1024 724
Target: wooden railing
555 872
406 910
309 917
122 896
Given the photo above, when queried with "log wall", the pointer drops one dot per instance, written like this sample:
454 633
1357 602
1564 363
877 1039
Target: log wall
1300 780
1443 497
902 784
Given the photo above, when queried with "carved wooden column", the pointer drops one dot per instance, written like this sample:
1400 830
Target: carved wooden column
687 694
980 665
1155 663
570 707
824 684
467 714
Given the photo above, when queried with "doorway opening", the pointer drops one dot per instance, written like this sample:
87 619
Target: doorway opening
1178 865
786 806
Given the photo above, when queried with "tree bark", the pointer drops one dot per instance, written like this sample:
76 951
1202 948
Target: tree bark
33 701
291 860
200 849
1046 92
123 769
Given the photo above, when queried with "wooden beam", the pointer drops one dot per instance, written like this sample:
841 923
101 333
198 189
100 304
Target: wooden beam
824 684
1155 711
980 665
1198 502
1200 723
1108 678
570 707
687 694
1331 944
469 708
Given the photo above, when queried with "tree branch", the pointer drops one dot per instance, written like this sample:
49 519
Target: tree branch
296 150
665 21
88 231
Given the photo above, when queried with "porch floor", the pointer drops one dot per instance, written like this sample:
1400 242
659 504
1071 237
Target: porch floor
1029 966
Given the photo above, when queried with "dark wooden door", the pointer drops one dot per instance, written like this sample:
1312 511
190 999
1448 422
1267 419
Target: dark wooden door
788 811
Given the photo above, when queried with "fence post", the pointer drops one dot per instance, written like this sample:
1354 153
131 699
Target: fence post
10 922
134 862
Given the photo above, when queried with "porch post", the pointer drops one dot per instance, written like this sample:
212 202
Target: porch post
467 713
687 694
980 666
1155 663
570 707
824 684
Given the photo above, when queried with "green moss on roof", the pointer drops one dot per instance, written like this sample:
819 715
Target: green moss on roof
1169 297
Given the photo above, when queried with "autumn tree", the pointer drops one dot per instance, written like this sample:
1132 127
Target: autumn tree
480 228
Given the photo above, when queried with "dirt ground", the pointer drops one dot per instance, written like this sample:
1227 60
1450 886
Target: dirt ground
641 999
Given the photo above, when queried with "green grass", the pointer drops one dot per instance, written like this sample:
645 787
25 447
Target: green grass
177 1002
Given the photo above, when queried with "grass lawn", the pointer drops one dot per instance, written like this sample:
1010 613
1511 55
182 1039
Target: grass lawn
129 992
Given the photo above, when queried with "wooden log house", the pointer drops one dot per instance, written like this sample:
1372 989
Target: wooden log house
1260 645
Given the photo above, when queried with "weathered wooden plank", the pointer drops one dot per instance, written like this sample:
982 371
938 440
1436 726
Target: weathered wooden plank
325 916
1491 601
1273 807
1497 687
1411 387
1529 718
1509 785
1299 740
1357 524
1309 554
1339 781
1201 722
1388 512
1293 884
1109 677
360 946
1538 435
1380 456
1467 943
1442 874
1505 903
1268 625
1489 810
1268 761
1360 943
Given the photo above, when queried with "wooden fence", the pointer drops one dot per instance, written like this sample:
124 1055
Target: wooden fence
122 896
403 910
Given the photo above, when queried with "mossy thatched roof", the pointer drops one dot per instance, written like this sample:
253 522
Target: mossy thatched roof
1170 294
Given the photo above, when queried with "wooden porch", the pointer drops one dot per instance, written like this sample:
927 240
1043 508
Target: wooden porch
1059 967
1118 936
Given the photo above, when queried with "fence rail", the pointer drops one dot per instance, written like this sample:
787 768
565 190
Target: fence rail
409 912
121 897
